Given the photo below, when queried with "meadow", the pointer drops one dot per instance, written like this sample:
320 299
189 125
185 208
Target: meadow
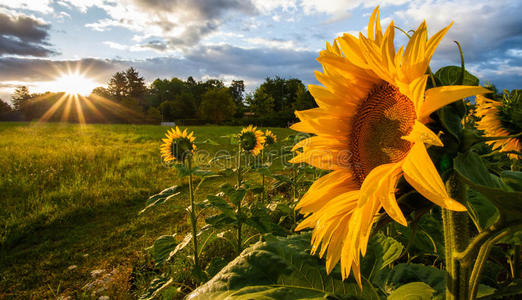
70 197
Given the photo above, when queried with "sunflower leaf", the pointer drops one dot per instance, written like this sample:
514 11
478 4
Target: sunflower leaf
156 286
402 274
450 75
161 197
472 170
381 251
412 290
222 205
281 268
162 248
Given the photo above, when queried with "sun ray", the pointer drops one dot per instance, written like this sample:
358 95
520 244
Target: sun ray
67 110
79 110
92 108
50 112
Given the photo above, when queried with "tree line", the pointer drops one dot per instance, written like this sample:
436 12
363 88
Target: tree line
189 102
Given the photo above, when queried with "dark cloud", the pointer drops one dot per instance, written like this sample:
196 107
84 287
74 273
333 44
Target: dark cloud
199 9
179 23
23 35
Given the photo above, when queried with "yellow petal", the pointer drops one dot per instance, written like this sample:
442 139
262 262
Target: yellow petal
420 173
441 96
421 133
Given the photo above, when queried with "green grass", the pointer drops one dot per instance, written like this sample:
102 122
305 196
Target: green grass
70 195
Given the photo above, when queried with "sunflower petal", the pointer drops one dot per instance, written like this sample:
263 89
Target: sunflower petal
420 173
421 133
439 97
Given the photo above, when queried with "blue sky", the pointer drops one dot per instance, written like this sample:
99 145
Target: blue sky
236 39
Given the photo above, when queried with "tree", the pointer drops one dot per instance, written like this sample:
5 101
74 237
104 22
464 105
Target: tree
237 88
118 85
135 86
101 91
304 99
261 103
20 97
217 105
4 107
153 114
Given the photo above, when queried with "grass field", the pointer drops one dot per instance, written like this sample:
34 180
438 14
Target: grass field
70 197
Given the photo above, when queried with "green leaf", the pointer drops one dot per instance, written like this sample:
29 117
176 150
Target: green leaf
381 251
209 142
180 246
155 287
485 213
222 205
237 196
161 197
450 75
512 289
451 120
484 290
220 220
402 274
280 268
471 169
162 248
183 171
512 179
204 173
412 291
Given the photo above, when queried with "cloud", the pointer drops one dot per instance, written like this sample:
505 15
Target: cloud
341 9
178 23
23 35
42 6
480 27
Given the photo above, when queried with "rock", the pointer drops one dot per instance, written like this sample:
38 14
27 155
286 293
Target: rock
104 298
72 267
96 273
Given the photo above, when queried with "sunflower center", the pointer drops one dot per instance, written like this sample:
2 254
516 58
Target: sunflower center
248 140
381 120
181 147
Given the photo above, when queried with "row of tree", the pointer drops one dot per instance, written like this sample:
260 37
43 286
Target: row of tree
188 101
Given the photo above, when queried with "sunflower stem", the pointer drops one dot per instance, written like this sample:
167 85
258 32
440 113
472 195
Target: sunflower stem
263 174
239 223
193 218
456 238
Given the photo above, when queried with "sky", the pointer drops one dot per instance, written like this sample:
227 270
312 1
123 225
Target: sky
236 39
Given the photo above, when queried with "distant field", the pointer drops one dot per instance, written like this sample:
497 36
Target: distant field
69 200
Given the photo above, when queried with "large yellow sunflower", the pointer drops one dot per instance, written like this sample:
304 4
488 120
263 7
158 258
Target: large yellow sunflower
177 145
251 140
496 122
369 130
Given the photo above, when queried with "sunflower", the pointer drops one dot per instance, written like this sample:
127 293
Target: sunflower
501 119
270 138
251 140
177 145
369 131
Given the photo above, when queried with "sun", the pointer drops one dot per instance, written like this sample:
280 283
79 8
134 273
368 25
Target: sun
74 84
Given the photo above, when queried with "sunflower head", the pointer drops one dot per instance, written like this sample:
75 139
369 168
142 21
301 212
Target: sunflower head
369 130
501 118
177 145
251 140
270 138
